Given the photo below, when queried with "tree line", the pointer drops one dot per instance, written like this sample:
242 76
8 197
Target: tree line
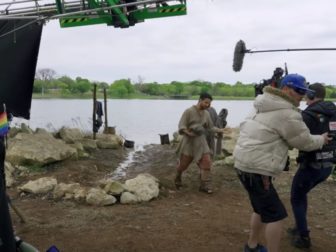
47 84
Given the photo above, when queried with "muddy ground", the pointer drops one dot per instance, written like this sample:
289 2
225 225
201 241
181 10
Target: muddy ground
185 220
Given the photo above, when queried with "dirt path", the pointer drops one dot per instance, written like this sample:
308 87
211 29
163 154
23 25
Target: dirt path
185 220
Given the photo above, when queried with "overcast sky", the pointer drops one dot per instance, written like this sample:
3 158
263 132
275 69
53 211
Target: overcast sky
200 45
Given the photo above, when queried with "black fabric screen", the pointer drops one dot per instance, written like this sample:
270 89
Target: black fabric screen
18 58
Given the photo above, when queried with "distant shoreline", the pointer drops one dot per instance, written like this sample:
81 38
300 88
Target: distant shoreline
86 97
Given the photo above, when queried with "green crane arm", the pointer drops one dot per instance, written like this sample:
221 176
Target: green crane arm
118 13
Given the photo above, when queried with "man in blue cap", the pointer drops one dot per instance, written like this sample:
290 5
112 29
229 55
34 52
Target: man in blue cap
261 152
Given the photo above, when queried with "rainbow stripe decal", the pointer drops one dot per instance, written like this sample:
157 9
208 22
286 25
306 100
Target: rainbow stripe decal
3 124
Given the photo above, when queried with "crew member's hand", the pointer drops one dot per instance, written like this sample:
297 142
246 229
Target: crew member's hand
327 138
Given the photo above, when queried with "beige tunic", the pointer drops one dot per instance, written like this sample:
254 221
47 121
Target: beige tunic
194 146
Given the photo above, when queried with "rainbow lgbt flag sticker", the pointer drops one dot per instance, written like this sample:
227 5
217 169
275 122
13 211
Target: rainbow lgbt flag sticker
3 124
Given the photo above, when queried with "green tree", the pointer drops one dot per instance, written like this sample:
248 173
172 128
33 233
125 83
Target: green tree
121 88
151 88
179 87
37 88
192 90
83 86
67 80
102 85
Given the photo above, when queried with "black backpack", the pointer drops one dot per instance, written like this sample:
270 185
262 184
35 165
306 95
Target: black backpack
328 151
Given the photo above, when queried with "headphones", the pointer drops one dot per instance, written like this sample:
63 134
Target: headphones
311 93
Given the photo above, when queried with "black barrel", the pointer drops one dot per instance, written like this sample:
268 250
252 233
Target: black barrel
164 139
129 144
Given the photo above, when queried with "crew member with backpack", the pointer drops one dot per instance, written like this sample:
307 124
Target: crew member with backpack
316 166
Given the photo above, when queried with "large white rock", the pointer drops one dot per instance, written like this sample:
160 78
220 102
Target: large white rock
80 194
107 141
128 198
37 149
70 135
88 144
114 188
99 197
39 186
62 189
144 186
229 140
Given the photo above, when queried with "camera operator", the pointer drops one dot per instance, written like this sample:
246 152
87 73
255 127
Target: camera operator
314 167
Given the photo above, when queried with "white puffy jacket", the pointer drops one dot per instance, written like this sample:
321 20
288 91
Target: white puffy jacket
269 131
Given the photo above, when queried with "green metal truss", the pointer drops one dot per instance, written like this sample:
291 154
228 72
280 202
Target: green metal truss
115 13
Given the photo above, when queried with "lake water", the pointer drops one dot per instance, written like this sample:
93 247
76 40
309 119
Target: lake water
138 120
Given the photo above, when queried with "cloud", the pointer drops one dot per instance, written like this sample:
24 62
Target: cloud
200 45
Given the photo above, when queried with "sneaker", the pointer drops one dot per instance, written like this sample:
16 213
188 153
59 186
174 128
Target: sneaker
301 242
259 248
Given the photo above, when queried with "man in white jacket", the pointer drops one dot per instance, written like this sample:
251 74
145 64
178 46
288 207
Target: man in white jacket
261 153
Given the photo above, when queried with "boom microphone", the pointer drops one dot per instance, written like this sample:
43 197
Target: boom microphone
238 56
240 50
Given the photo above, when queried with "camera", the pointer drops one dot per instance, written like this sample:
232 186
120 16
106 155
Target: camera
274 81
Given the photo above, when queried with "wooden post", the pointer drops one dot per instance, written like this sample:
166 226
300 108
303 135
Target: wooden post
105 111
94 110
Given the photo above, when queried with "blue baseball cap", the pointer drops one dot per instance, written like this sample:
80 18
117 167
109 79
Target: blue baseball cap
296 82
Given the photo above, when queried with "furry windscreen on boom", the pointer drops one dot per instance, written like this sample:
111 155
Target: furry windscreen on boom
240 50
238 56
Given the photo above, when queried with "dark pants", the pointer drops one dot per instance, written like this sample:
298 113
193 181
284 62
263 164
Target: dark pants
6 229
305 179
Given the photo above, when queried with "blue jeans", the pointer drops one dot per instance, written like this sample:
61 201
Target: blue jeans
305 179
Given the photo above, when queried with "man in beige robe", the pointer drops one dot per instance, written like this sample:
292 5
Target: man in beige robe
193 125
